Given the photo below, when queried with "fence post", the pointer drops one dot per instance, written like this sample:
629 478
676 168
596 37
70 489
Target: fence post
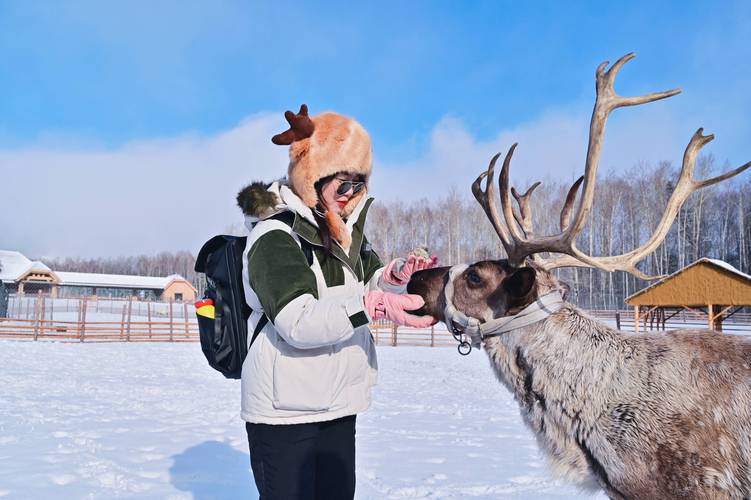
122 321
185 318
432 335
170 319
618 320
83 318
148 313
36 317
130 310
393 334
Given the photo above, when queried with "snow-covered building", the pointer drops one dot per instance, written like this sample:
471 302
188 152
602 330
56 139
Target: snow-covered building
24 276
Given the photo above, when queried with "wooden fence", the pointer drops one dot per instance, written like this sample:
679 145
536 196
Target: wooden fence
99 331
45 307
385 333
106 320
739 323
184 331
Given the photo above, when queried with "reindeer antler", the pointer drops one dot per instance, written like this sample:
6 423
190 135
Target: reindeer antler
520 246
300 127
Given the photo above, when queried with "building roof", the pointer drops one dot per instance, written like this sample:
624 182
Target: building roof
705 281
726 266
15 265
116 280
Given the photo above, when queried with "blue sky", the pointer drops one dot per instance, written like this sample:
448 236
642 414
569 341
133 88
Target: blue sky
93 88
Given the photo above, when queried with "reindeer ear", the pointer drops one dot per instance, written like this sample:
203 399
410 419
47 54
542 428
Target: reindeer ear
520 282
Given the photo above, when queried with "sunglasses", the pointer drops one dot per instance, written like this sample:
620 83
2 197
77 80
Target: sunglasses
345 186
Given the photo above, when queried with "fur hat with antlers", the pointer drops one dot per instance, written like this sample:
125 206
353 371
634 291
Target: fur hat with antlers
321 146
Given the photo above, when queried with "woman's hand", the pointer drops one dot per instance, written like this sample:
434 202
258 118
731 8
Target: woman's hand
398 271
394 307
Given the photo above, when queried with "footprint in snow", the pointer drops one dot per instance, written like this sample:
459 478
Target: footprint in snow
62 479
436 478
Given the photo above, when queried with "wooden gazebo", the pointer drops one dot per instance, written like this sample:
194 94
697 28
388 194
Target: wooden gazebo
708 286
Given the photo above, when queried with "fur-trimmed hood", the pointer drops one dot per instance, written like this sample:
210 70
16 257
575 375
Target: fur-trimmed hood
259 200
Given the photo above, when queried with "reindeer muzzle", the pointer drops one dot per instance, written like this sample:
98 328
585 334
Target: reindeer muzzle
469 331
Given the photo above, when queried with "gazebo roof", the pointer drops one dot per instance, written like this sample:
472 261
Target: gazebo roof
706 281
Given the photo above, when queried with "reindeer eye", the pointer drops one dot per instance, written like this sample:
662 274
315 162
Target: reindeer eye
473 278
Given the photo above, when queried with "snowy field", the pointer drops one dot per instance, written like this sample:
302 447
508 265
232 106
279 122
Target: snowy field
154 421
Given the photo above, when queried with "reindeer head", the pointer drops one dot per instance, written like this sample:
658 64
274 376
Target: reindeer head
492 289
486 290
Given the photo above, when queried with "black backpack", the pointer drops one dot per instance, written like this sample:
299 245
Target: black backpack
224 338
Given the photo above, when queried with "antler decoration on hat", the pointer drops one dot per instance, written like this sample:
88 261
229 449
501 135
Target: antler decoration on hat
300 127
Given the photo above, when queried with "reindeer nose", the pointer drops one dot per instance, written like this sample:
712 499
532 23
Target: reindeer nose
418 282
427 280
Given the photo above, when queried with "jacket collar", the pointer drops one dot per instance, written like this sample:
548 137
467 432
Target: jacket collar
306 226
309 233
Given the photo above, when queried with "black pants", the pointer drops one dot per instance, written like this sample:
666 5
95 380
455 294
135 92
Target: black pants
304 461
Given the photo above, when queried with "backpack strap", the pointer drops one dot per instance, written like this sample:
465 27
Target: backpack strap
259 326
288 218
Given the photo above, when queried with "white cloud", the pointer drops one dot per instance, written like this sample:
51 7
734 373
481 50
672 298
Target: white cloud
172 194
145 197
553 145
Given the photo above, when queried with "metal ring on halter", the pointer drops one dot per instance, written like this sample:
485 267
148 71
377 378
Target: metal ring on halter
464 347
457 321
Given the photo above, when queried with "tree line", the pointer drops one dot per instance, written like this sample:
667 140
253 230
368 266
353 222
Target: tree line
161 264
715 222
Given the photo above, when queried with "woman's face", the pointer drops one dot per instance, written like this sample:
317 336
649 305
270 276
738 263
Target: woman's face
334 198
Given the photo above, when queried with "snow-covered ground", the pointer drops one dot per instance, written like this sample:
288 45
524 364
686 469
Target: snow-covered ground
154 421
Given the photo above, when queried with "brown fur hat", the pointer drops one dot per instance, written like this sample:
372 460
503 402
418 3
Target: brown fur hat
335 144
338 144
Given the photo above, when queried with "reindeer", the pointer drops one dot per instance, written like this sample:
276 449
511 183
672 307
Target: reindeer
657 415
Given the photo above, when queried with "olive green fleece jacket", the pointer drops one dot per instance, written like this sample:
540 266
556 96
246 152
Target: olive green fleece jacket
315 359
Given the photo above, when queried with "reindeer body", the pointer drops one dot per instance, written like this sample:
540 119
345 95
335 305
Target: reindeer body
652 416
643 416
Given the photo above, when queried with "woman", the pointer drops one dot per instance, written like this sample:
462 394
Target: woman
314 284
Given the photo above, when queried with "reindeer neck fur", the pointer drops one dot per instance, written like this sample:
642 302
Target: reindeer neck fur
542 365
605 405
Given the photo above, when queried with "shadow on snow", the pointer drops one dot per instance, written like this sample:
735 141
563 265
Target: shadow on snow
213 471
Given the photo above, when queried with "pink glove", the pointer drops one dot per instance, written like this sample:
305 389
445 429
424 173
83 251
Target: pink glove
392 306
398 272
